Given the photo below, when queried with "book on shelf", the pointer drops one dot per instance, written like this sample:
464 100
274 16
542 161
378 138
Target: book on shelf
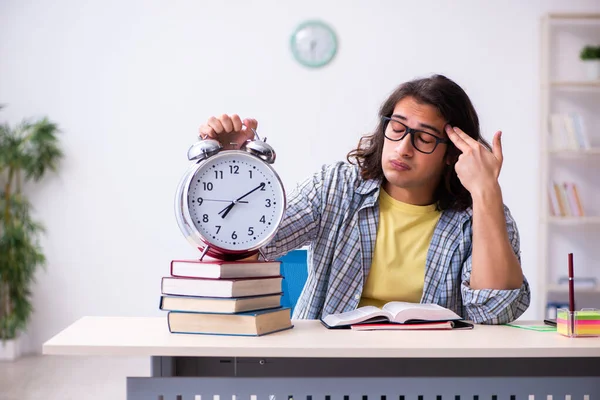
223 269
567 132
256 323
564 200
238 287
395 312
220 305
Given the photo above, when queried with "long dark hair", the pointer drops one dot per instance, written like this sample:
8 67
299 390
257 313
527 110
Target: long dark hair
455 106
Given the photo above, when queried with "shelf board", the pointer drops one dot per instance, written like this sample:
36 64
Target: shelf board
578 289
576 84
594 151
574 16
569 20
574 220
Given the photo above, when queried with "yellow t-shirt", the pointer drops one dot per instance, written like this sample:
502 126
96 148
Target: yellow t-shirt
398 267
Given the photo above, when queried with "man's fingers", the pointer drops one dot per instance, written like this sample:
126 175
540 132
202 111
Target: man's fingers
227 123
250 124
215 124
237 122
466 138
497 146
457 140
206 131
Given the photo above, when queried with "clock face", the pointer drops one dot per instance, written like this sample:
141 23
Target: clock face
235 201
314 44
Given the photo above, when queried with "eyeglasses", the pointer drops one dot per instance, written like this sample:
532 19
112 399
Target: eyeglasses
424 142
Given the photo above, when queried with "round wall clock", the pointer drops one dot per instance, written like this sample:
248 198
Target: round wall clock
314 44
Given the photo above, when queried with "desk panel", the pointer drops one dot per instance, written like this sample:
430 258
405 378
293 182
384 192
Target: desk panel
374 367
362 388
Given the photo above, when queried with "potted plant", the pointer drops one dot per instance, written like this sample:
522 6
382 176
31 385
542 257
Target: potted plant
590 55
27 151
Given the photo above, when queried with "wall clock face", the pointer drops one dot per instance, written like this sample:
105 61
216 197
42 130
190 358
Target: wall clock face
314 44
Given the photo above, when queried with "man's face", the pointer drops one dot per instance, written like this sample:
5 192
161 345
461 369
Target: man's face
411 175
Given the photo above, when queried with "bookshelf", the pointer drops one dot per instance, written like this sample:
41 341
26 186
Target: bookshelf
569 219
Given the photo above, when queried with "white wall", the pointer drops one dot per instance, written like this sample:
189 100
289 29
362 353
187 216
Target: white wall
129 82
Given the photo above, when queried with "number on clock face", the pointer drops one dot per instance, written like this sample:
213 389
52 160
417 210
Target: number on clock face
236 201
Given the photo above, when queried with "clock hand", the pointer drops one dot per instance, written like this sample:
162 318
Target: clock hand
225 201
227 209
262 185
313 44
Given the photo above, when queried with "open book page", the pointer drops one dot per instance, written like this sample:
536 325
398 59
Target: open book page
367 313
401 312
403 327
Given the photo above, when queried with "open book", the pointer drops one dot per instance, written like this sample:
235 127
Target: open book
395 312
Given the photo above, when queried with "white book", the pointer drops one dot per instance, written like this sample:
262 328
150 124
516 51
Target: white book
556 132
580 131
220 287
395 312
219 304
572 142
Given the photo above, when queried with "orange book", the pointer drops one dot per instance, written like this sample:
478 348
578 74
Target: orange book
570 196
561 201
577 199
552 202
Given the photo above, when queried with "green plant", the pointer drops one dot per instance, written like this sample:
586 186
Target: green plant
27 152
590 53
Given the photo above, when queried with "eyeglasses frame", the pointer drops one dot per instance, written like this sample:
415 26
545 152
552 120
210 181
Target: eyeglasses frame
412 132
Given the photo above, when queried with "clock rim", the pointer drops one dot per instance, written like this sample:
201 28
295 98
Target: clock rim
328 28
195 237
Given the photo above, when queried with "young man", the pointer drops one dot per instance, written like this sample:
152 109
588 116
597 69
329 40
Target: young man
416 214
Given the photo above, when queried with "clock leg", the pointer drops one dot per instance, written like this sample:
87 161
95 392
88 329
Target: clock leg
206 248
262 254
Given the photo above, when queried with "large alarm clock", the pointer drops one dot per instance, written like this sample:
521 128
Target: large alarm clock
230 202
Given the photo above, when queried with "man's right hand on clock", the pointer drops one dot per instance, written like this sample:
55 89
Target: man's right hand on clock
230 131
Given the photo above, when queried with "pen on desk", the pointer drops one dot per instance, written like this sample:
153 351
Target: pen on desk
571 294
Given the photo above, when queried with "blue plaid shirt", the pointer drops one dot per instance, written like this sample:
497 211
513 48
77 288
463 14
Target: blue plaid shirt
336 212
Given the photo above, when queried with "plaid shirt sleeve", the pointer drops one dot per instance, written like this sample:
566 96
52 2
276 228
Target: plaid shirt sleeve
302 218
492 306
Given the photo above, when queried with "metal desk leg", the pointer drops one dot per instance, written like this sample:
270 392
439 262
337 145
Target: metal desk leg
162 366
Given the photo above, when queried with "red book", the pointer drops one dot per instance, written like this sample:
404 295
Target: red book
224 269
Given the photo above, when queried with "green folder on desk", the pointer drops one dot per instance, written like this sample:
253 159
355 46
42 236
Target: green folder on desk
538 328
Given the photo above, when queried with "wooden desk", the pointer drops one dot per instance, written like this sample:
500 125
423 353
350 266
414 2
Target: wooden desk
310 360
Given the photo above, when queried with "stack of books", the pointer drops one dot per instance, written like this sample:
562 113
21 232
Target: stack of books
224 298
